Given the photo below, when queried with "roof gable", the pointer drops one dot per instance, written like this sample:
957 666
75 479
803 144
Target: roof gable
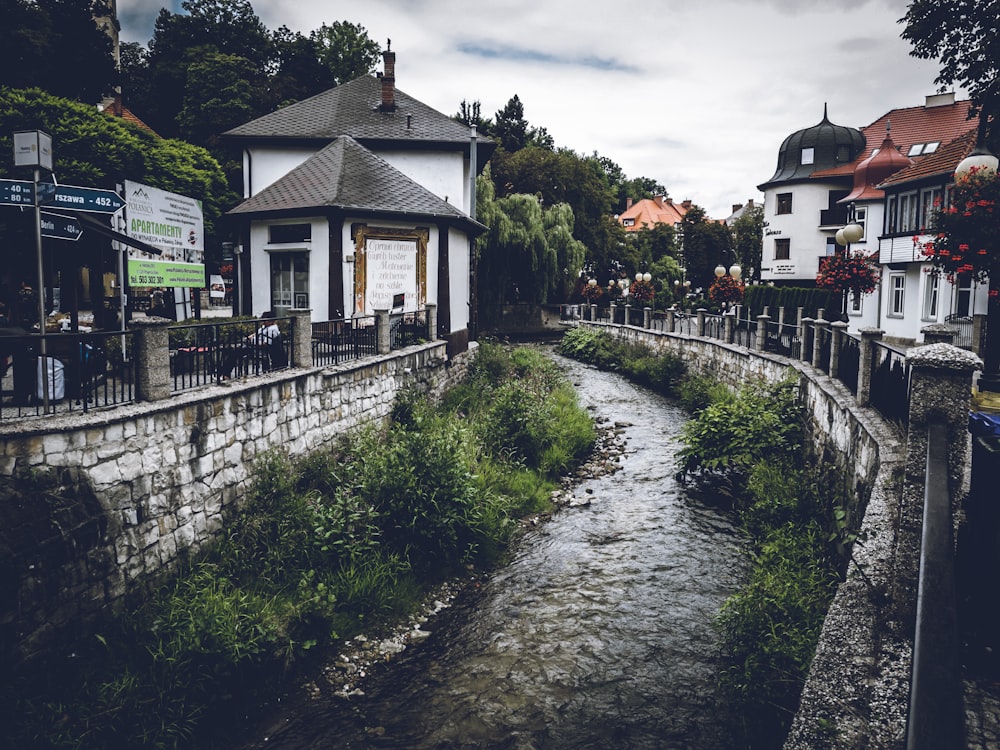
649 212
345 175
353 109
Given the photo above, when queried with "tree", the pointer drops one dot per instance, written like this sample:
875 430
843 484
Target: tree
345 50
706 244
470 114
217 97
57 46
748 241
964 35
510 127
299 70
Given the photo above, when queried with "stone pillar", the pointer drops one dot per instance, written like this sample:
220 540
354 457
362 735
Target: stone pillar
593 313
647 317
806 339
762 321
628 311
152 358
701 322
302 354
383 345
978 332
671 321
822 331
938 333
432 321
729 328
839 331
612 309
868 338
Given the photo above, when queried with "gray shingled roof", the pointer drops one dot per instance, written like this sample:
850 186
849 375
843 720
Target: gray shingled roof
353 109
345 175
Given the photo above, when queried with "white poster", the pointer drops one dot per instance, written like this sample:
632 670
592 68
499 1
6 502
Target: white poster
391 267
175 225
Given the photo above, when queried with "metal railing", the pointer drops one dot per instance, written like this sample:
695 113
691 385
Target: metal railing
336 341
963 326
206 353
849 362
82 371
890 389
407 329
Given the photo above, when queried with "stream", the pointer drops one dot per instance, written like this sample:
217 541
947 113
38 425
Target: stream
597 634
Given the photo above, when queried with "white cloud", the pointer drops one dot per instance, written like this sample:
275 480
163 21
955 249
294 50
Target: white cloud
698 97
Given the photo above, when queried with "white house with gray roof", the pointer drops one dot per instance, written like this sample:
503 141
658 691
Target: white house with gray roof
356 196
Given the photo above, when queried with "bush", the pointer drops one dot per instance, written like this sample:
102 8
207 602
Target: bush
663 373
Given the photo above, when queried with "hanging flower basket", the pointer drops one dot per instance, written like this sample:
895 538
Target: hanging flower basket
592 293
968 230
726 289
849 272
642 292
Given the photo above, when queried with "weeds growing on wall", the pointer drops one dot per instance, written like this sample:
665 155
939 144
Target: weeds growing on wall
323 546
663 373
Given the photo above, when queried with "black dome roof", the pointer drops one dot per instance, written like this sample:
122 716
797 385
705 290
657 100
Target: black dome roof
833 146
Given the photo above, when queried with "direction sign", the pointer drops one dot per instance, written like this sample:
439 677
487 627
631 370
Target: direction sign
17 193
59 227
93 200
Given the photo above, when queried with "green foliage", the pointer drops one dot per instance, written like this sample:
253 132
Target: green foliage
699 391
663 373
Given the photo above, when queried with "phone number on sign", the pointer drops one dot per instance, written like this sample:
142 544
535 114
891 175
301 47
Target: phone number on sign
146 280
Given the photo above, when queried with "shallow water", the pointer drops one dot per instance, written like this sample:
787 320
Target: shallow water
597 635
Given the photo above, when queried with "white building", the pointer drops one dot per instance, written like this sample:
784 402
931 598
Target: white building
360 198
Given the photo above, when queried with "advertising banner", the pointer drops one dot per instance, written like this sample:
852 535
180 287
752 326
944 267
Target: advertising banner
175 225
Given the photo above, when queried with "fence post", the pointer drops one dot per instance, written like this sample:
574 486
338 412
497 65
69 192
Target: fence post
593 313
822 330
383 345
302 354
978 329
839 330
628 309
806 337
868 338
729 327
938 333
647 317
671 321
152 358
701 322
761 343
937 434
432 321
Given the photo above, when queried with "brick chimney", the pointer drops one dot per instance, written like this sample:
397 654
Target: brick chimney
388 79
628 203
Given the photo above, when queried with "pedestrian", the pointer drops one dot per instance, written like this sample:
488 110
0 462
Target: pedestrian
158 307
27 306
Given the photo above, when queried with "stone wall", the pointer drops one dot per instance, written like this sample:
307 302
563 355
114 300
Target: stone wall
93 505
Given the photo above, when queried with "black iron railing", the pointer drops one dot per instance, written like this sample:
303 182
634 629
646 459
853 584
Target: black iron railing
336 341
849 362
407 329
890 389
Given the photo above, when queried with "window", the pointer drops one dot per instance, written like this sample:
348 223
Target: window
808 155
930 201
931 287
897 294
628 222
289 280
963 295
855 304
782 249
284 234
919 149
907 213
784 203
861 218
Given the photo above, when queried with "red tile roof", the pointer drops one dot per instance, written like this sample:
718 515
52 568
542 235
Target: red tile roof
943 161
650 211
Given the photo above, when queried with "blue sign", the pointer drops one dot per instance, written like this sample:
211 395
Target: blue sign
59 227
93 200
17 193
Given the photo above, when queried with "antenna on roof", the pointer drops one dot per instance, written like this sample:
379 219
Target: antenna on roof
388 44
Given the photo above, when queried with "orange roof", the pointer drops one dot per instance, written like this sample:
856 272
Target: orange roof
115 108
651 211
942 161
911 126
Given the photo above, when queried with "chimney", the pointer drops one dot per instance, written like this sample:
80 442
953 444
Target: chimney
737 207
939 100
388 79
686 204
628 203
658 200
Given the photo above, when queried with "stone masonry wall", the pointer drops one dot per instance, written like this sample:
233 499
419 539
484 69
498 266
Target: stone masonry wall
151 481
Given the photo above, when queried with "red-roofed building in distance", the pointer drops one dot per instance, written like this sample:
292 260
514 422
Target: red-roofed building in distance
649 212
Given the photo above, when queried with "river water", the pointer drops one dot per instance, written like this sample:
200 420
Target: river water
597 634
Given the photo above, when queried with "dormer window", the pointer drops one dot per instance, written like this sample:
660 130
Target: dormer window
808 155
922 149
628 222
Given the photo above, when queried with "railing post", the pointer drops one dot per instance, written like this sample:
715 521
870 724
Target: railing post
701 322
152 358
432 321
938 333
978 333
839 330
822 330
729 328
647 317
383 345
302 353
671 321
936 456
806 336
868 338
593 312
762 322
628 310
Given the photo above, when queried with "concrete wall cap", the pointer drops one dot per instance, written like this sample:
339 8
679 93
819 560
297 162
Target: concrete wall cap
944 357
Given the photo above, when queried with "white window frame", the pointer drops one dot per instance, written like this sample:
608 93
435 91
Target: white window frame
896 299
861 219
932 298
908 212
854 304
808 155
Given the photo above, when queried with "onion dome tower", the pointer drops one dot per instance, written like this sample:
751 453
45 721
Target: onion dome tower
882 164
823 146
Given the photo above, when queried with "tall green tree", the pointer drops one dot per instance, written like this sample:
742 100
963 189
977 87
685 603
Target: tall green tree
706 244
346 51
217 97
56 45
748 241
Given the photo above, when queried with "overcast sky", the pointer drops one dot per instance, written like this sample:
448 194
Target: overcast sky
698 96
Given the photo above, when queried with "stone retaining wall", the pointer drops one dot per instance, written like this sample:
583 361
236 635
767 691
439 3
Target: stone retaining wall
94 505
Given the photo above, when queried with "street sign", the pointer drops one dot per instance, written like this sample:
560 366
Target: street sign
93 200
59 227
17 193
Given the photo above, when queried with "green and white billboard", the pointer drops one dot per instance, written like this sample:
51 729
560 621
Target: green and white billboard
175 225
